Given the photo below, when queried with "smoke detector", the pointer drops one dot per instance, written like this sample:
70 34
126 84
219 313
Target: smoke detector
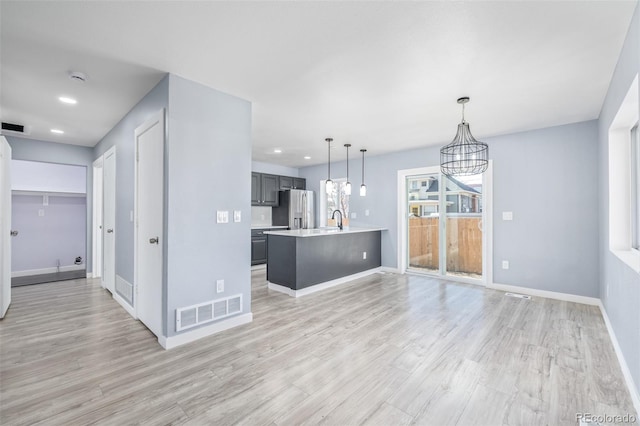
77 76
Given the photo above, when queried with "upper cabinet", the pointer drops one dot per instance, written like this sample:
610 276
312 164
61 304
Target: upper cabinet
264 189
288 182
299 183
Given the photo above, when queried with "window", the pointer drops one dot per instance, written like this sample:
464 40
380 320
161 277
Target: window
337 200
624 180
635 188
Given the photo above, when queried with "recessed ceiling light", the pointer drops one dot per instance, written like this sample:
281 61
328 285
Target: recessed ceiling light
67 100
57 131
277 151
306 157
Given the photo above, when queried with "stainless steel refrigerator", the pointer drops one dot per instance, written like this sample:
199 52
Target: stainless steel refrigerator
296 209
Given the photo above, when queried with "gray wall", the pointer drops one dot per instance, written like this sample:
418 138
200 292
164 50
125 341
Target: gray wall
122 137
49 152
623 300
209 165
43 240
545 177
273 169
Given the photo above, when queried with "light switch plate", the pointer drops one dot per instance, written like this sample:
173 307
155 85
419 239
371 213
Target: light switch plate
237 216
353 215
223 216
507 215
366 212
219 286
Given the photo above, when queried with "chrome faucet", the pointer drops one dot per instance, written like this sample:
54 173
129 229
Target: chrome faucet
333 216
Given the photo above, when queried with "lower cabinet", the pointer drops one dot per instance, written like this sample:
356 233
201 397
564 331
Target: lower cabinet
258 247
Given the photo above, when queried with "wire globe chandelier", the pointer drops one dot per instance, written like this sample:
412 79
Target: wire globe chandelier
464 156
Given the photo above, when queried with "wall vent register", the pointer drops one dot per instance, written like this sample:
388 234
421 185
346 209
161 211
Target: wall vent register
202 313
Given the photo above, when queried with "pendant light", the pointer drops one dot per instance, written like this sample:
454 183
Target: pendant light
465 155
329 182
347 186
363 187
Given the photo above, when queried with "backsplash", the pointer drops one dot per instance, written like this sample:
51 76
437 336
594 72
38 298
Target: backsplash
260 216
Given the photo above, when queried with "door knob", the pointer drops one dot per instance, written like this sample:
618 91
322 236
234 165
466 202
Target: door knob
109 231
14 233
153 240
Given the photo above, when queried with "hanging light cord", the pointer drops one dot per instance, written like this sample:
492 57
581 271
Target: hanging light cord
329 157
463 114
362 165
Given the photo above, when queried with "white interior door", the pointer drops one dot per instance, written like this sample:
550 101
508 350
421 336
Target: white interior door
149 239
97 218
109 221
5 226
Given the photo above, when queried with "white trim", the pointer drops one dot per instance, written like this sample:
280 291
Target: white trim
89 275
635 396
389 270
259 267
199 333
127 307
96 220
585 300
321 286
52 270
620 179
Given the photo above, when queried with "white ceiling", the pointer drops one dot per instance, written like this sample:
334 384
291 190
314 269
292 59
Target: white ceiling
379 75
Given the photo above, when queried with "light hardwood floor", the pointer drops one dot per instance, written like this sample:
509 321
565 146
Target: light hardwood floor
382 350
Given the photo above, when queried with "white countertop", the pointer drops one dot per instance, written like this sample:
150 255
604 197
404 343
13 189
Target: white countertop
318 232
269 227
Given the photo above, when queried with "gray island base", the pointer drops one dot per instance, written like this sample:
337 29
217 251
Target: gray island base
307 260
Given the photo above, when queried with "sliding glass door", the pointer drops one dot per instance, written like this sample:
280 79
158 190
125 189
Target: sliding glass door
444 225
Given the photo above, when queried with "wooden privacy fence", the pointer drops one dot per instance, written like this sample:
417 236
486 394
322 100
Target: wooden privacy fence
464 243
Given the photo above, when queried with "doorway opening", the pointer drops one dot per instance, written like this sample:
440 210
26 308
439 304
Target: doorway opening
49 220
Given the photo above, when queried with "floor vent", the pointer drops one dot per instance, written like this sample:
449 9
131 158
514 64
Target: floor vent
519 296
202 313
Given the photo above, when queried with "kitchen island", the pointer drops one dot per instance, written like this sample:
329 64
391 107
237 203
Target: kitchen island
303 261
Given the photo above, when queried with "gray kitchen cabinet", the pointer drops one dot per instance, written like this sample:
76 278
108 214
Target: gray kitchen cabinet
258 247
299 183
286 182
264 189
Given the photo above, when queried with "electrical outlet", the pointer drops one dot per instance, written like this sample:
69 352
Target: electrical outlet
507 215
366 212
41 212
505 264
237 215
219 286
353 215
364 255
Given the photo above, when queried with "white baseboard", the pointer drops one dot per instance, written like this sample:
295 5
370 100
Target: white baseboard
594 301
321 286
42 271
127 307
199 333
259 267
635 396
389 270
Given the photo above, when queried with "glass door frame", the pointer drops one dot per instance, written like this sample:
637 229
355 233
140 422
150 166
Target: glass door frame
487 227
